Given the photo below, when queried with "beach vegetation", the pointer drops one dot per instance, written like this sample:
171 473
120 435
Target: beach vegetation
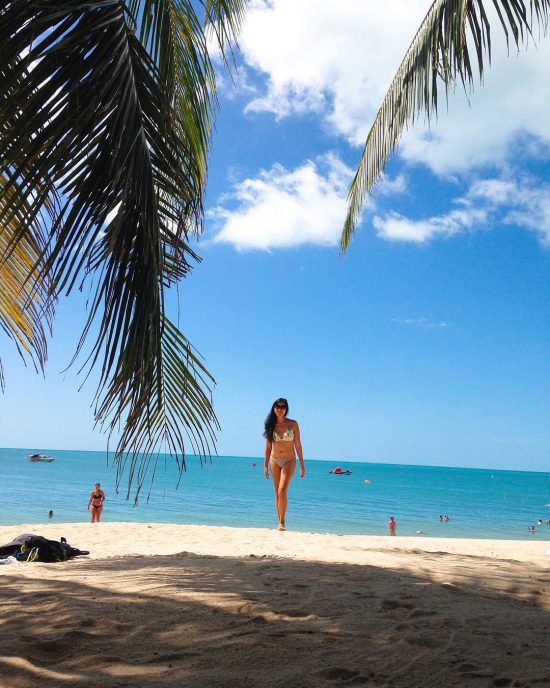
106 112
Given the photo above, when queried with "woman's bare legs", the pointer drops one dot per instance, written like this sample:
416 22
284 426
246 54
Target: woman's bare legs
281 481
96 513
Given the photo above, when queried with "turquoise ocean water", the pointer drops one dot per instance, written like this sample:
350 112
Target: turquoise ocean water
230 491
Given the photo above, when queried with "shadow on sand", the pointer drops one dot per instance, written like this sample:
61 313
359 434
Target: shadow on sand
204 621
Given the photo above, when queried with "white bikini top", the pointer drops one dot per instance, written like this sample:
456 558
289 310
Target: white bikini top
288 436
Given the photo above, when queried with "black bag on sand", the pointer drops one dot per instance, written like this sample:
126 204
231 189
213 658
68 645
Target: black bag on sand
28 547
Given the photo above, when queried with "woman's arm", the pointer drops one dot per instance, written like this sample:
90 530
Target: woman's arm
89 501
298 447
267 454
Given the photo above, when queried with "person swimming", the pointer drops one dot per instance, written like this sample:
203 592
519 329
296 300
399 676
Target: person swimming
282 444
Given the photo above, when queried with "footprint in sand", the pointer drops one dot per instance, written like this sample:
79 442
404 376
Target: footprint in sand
389 605
418 613
338 674
427 641
51 650
468 667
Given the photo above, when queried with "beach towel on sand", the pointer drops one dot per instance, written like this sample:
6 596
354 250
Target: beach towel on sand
30 547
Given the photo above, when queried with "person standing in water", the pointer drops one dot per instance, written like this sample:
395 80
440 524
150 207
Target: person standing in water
97 497
392 525
282 444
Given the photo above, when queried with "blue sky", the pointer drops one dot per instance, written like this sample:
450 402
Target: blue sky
429 341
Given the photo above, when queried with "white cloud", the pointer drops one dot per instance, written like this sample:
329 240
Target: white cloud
527 203
507 117
234 83
283 208
337 58
390 187
422 323
395 227
488 202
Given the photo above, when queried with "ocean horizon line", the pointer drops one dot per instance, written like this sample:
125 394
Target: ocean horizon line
213 457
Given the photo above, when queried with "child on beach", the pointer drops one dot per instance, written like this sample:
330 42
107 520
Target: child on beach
392 525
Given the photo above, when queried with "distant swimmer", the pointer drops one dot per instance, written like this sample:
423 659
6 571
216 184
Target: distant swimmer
539 521
532 529
392 525
50 514
419 532
367 482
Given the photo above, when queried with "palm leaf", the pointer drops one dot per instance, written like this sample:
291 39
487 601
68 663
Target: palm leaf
185 412
453 41
25 305
117 124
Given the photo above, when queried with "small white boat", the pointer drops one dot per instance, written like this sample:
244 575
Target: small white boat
40 457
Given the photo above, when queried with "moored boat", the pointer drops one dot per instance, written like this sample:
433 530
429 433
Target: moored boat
40 457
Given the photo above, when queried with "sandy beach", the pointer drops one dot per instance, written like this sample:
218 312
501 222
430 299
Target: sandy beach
174 605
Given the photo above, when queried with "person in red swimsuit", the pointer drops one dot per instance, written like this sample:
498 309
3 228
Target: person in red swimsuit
392 525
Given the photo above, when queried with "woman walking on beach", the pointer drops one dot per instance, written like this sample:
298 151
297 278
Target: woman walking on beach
282 443
97 497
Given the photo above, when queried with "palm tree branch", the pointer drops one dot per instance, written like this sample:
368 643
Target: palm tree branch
439 52
184 411
25 305
90 116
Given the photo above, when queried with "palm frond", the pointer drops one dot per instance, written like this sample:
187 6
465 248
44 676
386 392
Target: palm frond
225 18
184 412
25 304
116 125
453 41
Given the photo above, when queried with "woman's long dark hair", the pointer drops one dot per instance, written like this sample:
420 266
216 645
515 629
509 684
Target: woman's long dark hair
271 419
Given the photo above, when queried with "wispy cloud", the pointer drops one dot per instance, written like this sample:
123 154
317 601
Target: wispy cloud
395 227
488 203
236 84
422 323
